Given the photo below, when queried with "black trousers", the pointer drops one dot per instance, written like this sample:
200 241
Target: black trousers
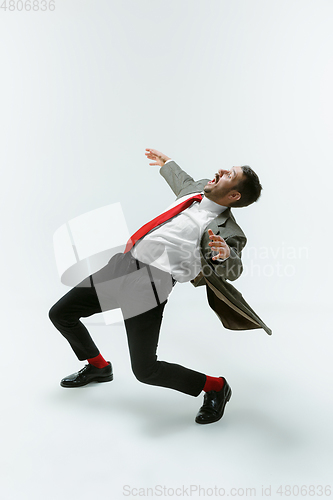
141 291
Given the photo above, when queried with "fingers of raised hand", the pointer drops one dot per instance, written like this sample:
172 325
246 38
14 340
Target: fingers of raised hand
223 252
151 156
217 244
215 238
152 153
155 157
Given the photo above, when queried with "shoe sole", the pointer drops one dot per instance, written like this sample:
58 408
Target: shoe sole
220 416
99 380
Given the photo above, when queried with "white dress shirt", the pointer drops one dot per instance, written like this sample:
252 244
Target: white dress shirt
174 246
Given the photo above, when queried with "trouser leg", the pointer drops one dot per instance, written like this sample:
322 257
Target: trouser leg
77 303
126 282
83 301
142 334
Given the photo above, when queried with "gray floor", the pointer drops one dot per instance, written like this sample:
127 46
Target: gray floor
109 440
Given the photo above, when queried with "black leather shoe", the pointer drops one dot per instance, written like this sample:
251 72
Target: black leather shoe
214 404
88 374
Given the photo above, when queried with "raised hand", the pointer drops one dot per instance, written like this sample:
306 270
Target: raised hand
158 157
217 244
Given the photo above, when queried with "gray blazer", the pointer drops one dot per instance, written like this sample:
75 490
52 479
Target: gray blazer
227 302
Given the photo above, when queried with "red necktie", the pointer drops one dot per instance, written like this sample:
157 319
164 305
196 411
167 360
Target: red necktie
159 220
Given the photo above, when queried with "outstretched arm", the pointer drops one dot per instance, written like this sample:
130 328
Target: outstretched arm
177 178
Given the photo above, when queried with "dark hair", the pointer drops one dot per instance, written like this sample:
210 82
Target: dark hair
249 187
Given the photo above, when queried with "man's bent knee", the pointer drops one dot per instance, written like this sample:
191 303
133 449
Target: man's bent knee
144 375
58 315
53 314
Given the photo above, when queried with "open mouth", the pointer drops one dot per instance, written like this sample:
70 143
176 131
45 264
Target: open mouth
215 180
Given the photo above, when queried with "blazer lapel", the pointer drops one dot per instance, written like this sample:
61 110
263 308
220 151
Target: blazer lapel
223 217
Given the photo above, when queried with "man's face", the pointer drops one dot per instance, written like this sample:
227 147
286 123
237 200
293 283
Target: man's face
221 188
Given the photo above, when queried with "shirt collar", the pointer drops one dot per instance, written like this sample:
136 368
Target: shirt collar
211 206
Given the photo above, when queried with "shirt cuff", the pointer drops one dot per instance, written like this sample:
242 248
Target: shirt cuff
219 261
167 162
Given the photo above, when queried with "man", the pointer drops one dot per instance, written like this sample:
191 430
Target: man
197 239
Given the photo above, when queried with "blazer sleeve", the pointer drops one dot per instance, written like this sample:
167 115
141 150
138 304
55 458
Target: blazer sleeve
177 178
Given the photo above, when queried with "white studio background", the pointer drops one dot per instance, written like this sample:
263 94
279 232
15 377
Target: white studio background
84 90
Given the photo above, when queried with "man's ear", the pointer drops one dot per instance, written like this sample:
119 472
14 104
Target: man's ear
234 196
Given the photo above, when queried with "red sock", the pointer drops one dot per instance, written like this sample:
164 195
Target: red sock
98 361
213 384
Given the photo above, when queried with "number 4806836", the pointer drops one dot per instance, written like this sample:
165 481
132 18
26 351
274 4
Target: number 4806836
28 5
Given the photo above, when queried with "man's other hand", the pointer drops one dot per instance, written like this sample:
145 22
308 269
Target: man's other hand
217 244
158 157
